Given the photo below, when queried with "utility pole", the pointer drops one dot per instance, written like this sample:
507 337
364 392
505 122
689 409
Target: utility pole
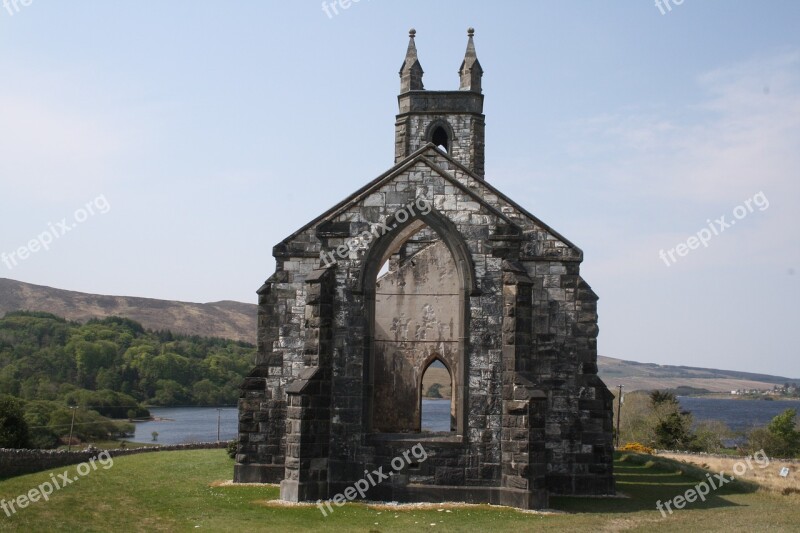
71 425
619 412
219 413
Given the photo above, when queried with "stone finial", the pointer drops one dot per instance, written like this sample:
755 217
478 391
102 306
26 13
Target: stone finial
411 70
471 71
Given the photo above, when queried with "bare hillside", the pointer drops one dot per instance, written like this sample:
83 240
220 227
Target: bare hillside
649 376
227 319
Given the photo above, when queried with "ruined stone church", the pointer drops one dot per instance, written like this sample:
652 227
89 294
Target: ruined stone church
428 264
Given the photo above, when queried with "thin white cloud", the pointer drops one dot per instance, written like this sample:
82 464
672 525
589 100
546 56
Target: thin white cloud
743 137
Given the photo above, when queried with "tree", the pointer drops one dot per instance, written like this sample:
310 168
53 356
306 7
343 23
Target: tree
785 437
761 439
656 420
92 356
673 427
658 397
673 431
89 424
779 438
169 392
637 415
13 428
709 436
37 415
433 391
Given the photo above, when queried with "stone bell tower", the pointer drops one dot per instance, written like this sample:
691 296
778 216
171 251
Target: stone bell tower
452 120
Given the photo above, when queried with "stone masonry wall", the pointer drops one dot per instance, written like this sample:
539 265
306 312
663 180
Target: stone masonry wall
18 462
562 431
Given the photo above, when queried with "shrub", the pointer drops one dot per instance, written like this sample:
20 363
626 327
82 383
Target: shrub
637 447
232 448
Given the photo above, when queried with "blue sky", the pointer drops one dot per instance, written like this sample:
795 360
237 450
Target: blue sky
215 129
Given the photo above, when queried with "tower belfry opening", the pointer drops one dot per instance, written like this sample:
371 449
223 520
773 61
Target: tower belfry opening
440 138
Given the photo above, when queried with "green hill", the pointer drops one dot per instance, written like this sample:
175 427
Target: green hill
44 357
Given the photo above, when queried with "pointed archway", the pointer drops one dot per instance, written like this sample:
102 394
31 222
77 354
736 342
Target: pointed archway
417 312
437 402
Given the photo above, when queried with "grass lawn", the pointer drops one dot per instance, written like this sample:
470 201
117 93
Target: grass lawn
175 491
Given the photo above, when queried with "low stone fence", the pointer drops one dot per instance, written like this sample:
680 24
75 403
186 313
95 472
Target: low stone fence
18 462
719 455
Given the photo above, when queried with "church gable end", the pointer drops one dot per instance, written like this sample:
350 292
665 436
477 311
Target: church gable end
428 275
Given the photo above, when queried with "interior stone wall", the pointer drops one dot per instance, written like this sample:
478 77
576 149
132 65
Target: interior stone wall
418 318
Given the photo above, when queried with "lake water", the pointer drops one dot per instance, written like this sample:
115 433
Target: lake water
737 414
188 424
199 424
181 425
436 415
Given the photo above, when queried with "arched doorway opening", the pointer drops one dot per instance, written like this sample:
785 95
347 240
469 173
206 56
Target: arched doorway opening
417 315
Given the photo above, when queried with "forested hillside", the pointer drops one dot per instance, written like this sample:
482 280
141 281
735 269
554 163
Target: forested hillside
44 357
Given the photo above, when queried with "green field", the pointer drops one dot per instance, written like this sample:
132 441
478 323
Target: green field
175 491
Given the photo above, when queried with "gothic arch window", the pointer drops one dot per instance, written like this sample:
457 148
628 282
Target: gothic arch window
416 315
437 400
440 134
440 139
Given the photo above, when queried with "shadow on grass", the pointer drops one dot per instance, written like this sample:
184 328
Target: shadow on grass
647 479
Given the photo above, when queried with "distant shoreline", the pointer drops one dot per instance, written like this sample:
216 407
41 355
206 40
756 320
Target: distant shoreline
722 396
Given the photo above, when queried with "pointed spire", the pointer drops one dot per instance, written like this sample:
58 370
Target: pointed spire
471 71
411 71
